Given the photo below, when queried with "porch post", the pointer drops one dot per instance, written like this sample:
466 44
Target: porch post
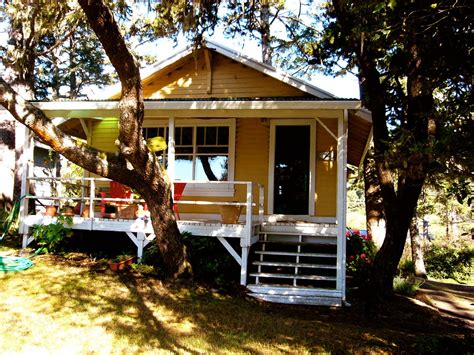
26 166
171 152
341 202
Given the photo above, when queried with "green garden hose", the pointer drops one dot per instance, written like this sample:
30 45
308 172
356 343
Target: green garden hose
14 263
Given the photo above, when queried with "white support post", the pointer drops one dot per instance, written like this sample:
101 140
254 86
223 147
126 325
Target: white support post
141 245
261 203
171 152
248 216
26 166
243 266
342 125
231 250
91 204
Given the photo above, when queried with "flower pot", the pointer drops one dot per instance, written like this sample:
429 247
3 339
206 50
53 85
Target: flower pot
121 265
68 211
230 214
50 211
86 211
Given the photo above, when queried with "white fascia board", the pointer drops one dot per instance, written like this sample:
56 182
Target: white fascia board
270 71
101 108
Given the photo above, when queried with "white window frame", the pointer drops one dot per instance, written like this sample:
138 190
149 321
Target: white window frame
225 190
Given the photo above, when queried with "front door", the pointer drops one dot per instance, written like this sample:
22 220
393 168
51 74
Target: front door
291 174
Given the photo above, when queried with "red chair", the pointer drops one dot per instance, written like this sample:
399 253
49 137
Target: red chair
117 190
178 193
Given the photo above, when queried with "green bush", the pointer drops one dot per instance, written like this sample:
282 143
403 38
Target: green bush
210 262
407 287
406 267
360 251
52 237
449 262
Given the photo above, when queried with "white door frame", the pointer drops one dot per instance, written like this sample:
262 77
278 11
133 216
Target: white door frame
312 159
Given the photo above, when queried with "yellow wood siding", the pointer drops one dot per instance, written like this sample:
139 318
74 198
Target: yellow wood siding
104 134
326 171
229 79
251 149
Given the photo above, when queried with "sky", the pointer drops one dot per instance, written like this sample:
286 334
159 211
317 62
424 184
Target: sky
342 86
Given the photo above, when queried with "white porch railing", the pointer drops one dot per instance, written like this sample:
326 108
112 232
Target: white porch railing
88 196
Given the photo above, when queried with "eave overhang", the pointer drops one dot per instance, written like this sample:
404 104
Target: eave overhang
200 108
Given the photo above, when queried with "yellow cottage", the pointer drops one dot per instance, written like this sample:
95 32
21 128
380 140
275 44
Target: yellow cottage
241 135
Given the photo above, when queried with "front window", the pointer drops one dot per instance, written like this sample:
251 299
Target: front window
202 153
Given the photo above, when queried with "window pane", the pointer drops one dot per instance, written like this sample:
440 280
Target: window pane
200 135
211 136
223 136
184 167
213 150
184 150
212 168
186 135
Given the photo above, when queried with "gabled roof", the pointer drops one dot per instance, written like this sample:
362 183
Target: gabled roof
266 69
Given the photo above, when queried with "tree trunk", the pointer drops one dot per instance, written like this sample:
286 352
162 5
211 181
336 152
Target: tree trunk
265 34
374 210
133 165
416 249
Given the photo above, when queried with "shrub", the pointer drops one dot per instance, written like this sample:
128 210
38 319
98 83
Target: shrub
406 286
449 262
360 251
406 267
52 237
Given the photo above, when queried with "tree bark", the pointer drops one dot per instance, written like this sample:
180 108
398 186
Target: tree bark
134 165
374 210
416 249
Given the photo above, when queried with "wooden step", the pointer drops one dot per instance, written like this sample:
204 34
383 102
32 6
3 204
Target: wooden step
303 300
293 276
286 290
297 234
300 265
331 241
289 253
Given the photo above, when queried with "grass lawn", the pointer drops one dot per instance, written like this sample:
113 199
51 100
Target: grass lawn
77 306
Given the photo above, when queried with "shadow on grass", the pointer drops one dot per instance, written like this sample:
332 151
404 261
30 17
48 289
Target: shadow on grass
146 315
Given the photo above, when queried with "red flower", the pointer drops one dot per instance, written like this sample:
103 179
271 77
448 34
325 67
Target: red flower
348 234
356 231
363 256
351 258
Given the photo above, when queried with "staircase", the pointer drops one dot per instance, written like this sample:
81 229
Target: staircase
295 264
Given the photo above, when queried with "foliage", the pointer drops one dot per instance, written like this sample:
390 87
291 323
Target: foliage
52 237
406 286
360 252
406 267
448 261
211 263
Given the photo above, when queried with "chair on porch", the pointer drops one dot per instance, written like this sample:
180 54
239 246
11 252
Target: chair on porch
178 193
117 190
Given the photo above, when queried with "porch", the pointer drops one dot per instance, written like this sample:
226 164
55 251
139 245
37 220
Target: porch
281 259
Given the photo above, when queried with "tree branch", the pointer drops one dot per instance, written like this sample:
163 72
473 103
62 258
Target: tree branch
97 161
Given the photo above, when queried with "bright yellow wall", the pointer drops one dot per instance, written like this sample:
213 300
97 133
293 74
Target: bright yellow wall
104 134
326 171
229 79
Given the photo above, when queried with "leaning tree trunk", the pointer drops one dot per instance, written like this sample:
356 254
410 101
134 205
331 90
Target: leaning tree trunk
133 165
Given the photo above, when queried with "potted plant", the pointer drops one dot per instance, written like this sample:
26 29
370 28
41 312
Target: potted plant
68 208
121 262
